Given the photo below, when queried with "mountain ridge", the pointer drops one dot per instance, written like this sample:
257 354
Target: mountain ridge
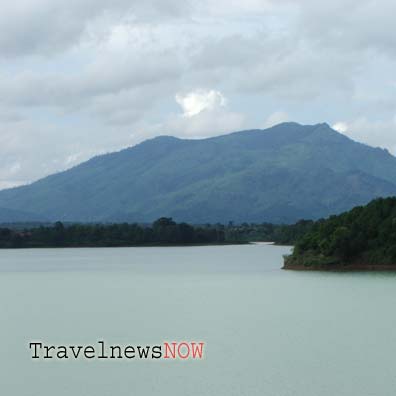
280 174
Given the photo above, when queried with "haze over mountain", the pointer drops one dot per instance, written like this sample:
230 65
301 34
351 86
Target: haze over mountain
280 174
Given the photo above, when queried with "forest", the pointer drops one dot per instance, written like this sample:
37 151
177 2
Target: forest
362 238
162 232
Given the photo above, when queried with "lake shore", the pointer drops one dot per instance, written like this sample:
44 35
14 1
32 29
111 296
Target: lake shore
320 263
125 246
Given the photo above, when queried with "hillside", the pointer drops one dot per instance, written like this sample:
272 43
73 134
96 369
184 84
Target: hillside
12 215
281 174
361 239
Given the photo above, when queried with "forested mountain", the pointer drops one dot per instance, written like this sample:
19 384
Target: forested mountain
281 174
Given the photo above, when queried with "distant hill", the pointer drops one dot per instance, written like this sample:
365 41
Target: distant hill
280 174
361 239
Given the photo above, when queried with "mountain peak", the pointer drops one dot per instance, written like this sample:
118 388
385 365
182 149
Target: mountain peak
165 138
324 125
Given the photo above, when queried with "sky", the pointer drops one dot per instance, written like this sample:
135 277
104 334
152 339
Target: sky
80 78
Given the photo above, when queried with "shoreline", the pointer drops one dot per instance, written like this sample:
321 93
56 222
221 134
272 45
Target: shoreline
361 268
126 246
328 264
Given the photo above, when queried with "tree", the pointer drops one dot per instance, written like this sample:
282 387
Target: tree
164 222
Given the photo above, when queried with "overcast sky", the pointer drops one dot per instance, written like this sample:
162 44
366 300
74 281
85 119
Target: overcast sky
82 77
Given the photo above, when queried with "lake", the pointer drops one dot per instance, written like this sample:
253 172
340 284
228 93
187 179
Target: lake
266 331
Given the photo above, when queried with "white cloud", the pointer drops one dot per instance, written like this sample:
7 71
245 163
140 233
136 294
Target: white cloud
199 100
204 114
340 126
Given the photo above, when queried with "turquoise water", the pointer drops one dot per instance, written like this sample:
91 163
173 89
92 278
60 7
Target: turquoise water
267 331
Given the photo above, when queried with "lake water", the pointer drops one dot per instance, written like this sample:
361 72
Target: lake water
267 331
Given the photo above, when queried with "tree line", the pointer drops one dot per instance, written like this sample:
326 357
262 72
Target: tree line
163 231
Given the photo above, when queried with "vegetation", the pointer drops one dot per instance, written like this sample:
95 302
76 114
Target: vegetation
363 238
164 231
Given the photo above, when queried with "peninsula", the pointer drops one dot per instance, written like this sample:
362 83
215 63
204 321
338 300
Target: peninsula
362 239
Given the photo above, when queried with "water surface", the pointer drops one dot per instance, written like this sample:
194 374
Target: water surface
267 331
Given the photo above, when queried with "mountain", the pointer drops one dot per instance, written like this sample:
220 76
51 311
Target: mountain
280 174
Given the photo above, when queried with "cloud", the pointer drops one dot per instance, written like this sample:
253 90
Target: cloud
340 126
204 114
376 133
350 25
84 77
197 101
103 76
48 27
